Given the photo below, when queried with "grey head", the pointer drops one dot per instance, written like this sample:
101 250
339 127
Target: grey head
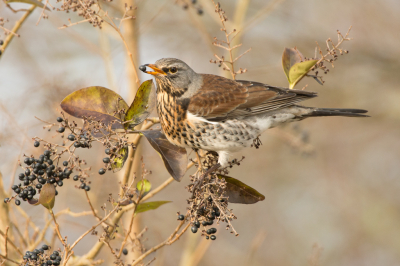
173 76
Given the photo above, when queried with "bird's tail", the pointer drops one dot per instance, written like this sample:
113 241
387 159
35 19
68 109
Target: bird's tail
337 112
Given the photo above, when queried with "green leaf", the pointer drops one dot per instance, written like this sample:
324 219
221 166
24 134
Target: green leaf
239 192
299 70
142 105
32 2
145 185
47 196
119 158
294 66
147 206
97 102
174 157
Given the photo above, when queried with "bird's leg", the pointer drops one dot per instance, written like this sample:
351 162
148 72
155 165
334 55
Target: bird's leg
209 171
199 160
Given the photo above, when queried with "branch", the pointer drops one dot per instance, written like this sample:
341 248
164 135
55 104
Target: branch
171 239
17 25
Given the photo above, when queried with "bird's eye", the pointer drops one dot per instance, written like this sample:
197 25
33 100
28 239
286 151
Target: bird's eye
173 70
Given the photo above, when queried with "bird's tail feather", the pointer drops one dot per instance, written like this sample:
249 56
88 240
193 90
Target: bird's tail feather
337 112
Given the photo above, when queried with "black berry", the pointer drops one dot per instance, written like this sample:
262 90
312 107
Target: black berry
213 237
61 129
181 217
6 200
87 188
36 144
60 119
106 160
77 144
45 247
197 224
60 183
71 137
27 161
53 256
21 176
65 163
194 229
27 172
76 178
107 151
17 202
102 171
38 186
125 251
56 253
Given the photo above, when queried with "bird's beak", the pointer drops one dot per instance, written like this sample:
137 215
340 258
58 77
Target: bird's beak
156 71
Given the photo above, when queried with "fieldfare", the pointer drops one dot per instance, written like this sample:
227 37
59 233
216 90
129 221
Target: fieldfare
213 113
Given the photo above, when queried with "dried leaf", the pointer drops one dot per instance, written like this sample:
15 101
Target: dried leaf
47 196
32 2
290 57
125 202
145 185
142 105
97 102
174 157
118 160
239 192
33 201
147 206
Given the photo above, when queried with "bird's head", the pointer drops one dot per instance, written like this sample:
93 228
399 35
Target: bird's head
172 75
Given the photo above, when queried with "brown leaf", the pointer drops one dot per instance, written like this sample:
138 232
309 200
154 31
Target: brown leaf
97 102
174 157
47 196
239 192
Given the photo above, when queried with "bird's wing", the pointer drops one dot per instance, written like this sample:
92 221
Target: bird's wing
220 98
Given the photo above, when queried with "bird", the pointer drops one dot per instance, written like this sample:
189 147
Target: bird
214 113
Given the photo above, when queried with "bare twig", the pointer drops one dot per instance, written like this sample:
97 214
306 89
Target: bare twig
15 29
171 239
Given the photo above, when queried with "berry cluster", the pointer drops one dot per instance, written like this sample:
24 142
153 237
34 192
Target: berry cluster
42 257
48 167
209 202
39 171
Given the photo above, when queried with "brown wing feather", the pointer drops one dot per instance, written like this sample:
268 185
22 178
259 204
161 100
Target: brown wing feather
221 98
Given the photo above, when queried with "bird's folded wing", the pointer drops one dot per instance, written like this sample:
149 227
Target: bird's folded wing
220 98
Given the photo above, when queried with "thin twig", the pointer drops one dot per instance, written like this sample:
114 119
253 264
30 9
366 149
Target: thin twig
57 229
171 239
11 243
15 29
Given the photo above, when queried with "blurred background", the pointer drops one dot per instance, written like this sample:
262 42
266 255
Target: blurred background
339 205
